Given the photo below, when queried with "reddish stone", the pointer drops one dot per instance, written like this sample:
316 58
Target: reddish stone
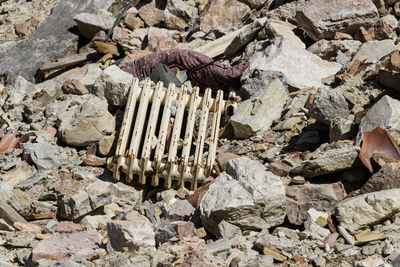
68 227
342 36
181 210
47 132
280 168
21 28
385 27
224 157
8 142
365 36
152 13
298 259
395 60
74 87
197 196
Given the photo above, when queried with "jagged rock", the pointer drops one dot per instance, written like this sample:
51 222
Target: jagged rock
388 177
374 50
300 198
152 13
301 68
178 229
126 195
228 230
160 39
372 261
132 21
259 260
385 114
85 124
74 87
342 129
262 108
76 246
329 105
52 38
329 49
79 198
66 227
328 158
131 236
258 3
89 24
178 13
321 19
113 84
253 84
181 210
368 209
264 239
385 27
9 215
45 155
246 195
95 222
211 17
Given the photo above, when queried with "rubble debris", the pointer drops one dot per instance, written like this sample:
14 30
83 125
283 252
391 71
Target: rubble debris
89 24
374 50
384 179
321 19
8 142
358 212
264 107
234 191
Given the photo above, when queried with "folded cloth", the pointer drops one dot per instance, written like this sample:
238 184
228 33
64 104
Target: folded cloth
202 71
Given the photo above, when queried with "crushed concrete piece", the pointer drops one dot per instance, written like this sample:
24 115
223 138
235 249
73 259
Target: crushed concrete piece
89 24
328 158
76 246
321 19
113 84
246 195
85 124
385 114
374 50
368 209
329 105
131 236
263 108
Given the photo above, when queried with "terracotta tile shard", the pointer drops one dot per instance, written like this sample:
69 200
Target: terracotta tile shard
378 141
8 142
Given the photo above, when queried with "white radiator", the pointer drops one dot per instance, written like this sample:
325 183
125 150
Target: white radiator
148 148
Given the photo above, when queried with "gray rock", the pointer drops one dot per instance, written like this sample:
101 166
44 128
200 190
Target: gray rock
369 250
280 243
178 13
252 84
89 24
342 129
219 245
20 201
258 3
84 124
368 209
113 84
328 49
52 38
388 177
17 93
321 19
45 155
228 230
181 210
178 229
131 236
258 261
328 158
385 114
76 246
126 195
329 105
9 215
263 109
246 195
301 68
375 50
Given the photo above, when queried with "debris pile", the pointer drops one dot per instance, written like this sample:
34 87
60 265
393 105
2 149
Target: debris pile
307 165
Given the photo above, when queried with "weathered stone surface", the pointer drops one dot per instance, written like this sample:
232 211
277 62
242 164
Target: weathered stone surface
385 114
329 158
212 17
322 18
152 13
160 39
329 49
45 155
374 50
228 230
246 195
258 3
329 105
113 84
300 198
342 129
126 195
74 87
76 246
52 38
385 27
301 68
263 109
368 209
84 124
9 215
80 198
68 227
178 13
89 24
388 177
181 210
178 229
133 236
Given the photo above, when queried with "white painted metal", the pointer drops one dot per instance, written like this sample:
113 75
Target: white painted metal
162 143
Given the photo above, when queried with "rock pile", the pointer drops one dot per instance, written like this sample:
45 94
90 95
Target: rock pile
307 168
